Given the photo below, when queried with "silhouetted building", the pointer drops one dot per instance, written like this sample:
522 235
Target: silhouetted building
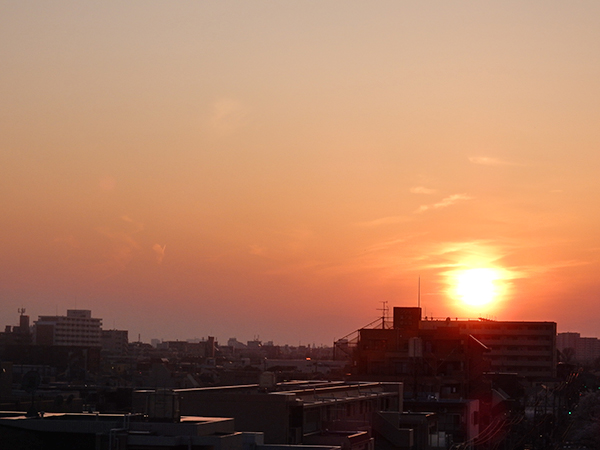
115 342
119 431
350 416
201 349
74 362
525 348
18 334
446 365
290 412
575 348
437 362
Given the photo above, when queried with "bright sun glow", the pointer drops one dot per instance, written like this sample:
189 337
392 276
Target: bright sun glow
476 287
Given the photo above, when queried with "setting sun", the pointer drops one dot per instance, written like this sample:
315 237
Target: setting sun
476 287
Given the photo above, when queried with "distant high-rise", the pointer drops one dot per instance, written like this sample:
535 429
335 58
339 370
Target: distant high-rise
115 342
575 348
18 334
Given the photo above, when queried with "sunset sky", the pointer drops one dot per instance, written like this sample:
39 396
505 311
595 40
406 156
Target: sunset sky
280 168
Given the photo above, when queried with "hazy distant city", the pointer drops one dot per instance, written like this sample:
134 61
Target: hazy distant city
403 381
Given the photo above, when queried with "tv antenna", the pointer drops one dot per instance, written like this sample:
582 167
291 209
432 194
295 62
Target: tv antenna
21 311
384 312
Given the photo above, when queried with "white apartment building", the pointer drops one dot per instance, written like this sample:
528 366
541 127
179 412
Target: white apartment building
77 328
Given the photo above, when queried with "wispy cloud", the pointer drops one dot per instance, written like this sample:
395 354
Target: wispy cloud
136 226
257 250
68 241
502 254
119 252
294 241
382 221
159 251
120 246
392 243
445 202
107 183
226 116
422 190
487 161
284 245
450 254
537 269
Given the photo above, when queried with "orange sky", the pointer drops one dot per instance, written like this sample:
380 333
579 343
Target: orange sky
186 169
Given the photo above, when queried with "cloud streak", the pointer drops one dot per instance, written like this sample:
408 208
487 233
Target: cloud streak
422 190
227 116
487 161
382 221
119 252
119 246
444 203
159 251
392 243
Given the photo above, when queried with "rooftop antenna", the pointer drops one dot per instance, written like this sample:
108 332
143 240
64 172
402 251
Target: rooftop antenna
384 310
419 293
21 311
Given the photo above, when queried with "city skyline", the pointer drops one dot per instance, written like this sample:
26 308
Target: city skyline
241 169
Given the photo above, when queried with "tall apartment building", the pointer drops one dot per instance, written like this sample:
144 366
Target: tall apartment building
77 328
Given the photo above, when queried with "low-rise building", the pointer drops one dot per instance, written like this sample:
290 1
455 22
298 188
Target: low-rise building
121 431
289 412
